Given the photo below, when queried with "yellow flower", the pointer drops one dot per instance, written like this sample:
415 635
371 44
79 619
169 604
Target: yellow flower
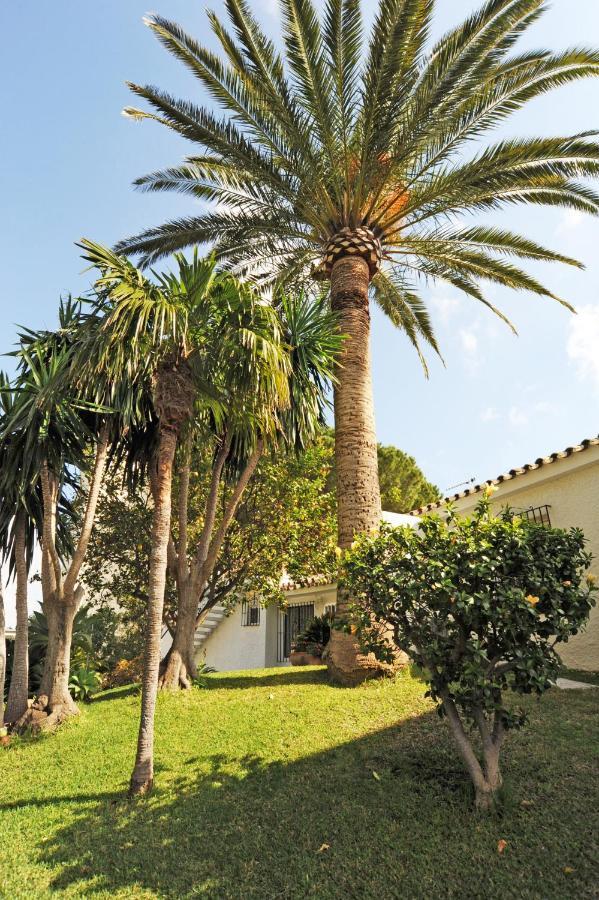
490 489
532 599
338 552
567 583
591 579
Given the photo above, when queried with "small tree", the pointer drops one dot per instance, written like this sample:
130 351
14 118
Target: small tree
480 604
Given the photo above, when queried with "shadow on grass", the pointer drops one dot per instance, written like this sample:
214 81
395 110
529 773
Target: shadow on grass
288 675
385 816
119 693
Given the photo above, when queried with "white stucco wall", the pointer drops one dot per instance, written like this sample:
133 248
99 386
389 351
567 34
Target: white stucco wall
234 646
571 488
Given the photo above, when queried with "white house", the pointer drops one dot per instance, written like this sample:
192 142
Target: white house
252 637
561 490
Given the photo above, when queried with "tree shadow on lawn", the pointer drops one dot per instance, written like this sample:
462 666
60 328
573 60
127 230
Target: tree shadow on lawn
287 675
385 816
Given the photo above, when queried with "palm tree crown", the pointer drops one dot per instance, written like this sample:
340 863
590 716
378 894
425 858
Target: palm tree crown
339 149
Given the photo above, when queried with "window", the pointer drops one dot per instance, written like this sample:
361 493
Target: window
537 514
250 612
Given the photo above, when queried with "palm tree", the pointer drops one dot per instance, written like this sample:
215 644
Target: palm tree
179 324
356 164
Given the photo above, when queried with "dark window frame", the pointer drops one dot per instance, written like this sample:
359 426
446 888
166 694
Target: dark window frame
250 613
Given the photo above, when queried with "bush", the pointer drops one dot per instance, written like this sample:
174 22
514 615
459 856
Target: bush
479 604
315 636
126 671
84 683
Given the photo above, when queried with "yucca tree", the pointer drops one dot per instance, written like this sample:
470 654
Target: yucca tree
19 514
248 429
63 438
178 324
355 162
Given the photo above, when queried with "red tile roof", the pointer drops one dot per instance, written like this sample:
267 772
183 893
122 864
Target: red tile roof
513 473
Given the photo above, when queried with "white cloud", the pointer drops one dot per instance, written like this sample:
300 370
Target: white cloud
490 414
469 341
445 306
545 408
570 220
517 416
583 342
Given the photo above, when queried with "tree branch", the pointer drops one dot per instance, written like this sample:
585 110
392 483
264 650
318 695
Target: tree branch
230 509
90 511
210 513
51 569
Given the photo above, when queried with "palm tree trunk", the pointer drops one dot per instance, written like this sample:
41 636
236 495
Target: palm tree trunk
358 494
143 773
16 705
2 655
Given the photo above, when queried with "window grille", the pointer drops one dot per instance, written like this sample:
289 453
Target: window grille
329 611
537 514
292 621
250 612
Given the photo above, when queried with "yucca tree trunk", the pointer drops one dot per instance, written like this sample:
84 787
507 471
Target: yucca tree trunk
16 705
358 494
178 668
142 777
62 595
54 697
2 655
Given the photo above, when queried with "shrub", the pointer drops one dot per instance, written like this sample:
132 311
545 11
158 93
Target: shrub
315 636
479 604
126 671
202 670
83 683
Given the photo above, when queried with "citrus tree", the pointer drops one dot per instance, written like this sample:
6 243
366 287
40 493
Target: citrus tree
480 604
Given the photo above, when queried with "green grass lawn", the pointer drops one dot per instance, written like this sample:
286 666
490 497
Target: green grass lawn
276 785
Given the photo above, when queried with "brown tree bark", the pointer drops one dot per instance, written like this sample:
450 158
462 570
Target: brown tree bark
18 693
62 597
2 655
358 495
486 778
179 666
142 778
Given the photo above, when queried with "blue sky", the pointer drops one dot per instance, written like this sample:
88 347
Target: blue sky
69 157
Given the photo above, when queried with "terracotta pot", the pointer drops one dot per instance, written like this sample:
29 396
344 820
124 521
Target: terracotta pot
302 658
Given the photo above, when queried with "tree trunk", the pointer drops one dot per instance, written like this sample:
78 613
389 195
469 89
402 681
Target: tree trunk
54 697
62 597
178 667
358 495
16 705
2 655
486 779
142 777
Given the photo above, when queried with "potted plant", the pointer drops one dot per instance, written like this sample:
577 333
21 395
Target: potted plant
307 648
